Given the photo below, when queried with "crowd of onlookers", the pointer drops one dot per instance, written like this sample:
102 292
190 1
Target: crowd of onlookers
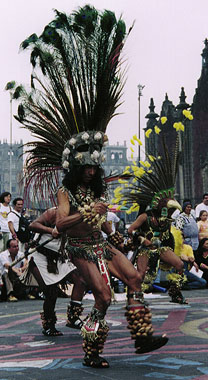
192 222
12 248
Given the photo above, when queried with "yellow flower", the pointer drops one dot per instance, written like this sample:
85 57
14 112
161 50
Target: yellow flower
134 180
132 192
132 156
117 200
124 203
122 181
132 150
132 142
149 171
135 207
126 171
148 132
126 185
134 168
128 211
178 126
119 207
146 164
152 158
157 129
136 138
163 119
188 114
139 173
110 206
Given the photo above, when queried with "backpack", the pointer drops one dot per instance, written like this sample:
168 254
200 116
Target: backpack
24 234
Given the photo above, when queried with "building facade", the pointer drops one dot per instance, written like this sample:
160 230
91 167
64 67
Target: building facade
192 179
11 169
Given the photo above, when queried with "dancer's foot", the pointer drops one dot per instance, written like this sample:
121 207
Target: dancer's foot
145 344
51 332
95 362
75 324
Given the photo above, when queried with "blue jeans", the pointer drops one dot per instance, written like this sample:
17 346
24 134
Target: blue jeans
193 282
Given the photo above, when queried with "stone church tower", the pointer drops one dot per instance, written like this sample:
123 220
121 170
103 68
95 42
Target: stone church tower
200 130
192 179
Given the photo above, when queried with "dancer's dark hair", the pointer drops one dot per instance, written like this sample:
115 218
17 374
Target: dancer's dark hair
73 178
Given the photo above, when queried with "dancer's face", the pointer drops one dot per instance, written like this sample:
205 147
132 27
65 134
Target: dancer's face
88 174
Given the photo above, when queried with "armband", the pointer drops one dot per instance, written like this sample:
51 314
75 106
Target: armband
115 238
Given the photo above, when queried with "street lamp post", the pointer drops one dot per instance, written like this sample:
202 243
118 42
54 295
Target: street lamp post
10 86
10 150
140 88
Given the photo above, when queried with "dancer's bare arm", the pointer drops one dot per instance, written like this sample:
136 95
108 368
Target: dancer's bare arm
63 218
138 223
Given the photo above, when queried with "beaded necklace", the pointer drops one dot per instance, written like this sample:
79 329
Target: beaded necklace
84 197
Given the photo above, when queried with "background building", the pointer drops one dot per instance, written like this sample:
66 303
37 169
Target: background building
192 179
16 168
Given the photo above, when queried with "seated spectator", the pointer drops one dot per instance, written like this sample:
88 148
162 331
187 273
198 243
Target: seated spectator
10 276
193 281
202 257
203 224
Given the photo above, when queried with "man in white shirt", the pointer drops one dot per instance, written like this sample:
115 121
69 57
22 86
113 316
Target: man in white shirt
5 199
113 219
13 220
10 280
202 206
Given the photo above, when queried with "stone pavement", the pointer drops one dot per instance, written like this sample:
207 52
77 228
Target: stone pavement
26 353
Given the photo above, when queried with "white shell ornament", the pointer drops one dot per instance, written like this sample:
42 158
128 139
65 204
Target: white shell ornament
98 136
65 164
72 141
85 136
66 151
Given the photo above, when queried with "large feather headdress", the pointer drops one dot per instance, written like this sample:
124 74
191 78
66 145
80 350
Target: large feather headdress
152 183
76 86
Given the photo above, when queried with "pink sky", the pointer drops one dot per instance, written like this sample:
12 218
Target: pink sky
163 53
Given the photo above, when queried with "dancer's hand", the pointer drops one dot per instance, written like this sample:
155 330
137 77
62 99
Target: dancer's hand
55 233
101 208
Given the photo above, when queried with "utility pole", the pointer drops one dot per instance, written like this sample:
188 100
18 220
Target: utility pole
140 88
10 149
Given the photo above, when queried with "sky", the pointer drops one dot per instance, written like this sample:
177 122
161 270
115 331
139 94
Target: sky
162 53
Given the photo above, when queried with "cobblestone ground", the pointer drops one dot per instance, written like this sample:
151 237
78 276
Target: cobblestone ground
25 352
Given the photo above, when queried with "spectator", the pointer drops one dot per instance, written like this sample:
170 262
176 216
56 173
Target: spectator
177 212
193 281
188 226
122 226
203 224
202 257
203 205
14 287
114 220
13 220
5 199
